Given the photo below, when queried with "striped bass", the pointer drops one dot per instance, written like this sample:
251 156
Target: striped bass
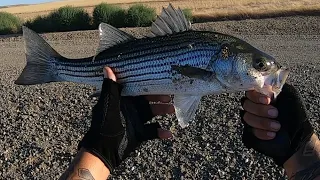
172 60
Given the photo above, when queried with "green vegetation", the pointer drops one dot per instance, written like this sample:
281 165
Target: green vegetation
139 16
40 24
64 19
9 23
188 14
110 14
70 18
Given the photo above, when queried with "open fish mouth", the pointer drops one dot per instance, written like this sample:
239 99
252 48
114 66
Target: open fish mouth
279 80
282 78
274 82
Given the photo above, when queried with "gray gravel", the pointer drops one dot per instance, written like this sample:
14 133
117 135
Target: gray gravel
42 124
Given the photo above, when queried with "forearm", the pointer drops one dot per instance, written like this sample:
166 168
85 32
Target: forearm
86 166
305 164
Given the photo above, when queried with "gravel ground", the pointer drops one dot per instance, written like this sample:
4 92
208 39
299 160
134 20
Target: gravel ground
42 124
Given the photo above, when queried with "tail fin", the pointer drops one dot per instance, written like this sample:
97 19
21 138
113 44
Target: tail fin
40 57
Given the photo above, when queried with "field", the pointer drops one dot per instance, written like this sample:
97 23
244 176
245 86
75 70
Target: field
203 8
41 125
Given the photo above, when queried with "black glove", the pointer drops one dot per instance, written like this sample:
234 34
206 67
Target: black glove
114 134
295 129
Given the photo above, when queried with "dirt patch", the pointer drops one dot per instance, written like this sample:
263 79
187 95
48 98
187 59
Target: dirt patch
200 8
41 125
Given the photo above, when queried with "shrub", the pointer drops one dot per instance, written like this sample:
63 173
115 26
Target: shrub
188 14
66 18
111 14
140 15
9 23
40 24
69 18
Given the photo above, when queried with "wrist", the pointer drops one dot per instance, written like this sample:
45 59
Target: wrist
85 165
306 157
92 160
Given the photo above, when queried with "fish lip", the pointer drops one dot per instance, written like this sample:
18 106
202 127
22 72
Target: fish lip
274 82
283 75
279 81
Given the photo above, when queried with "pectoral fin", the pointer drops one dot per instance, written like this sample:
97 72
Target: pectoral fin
193 72
185 108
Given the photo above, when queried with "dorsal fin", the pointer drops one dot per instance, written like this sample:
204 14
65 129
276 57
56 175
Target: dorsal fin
170 21
110 36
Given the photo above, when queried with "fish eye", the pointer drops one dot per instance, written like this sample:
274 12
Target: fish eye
262 64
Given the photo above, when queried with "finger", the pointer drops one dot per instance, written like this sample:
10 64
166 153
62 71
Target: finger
164 134
159 98
261 110
108 73
261 123
150 131
242 113
263 135
256 97
144 111
162 109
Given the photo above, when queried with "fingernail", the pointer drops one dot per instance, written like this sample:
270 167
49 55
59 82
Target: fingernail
275 125
263 100
271 134
273 112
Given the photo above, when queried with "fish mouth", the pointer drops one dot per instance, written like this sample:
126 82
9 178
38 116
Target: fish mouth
274 82
280 78
283 75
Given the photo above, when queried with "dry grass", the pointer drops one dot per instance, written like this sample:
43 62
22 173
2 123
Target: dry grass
206 8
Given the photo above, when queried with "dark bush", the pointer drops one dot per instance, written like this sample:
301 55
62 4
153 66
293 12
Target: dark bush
63 19
140 15
111 14
69 18
40 24
9 24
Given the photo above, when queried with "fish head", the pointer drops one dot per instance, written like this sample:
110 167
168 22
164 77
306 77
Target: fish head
270 74
240 66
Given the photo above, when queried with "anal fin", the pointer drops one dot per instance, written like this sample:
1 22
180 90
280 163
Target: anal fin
185 108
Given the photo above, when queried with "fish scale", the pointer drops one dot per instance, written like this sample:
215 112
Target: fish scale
135 68
129 52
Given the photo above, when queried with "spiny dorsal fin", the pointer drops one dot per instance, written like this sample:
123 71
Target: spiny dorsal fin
170 21
110 36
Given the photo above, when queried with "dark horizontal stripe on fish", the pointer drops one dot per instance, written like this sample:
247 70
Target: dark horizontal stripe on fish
148 43
111 56
160 58
142 74
153 79
81 75
157 65
93 75
73 68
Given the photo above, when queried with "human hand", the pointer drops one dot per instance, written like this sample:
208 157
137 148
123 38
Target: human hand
119 123
260 118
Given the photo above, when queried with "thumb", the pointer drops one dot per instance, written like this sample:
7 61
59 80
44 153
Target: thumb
154 131
108 73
